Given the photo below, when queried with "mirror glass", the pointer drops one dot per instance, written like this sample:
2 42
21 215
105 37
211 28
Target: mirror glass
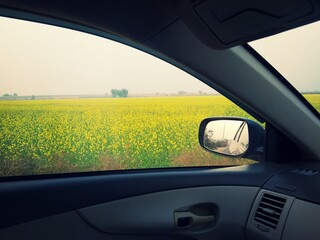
229 137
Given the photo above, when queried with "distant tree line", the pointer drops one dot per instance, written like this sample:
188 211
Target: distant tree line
9 95
121 93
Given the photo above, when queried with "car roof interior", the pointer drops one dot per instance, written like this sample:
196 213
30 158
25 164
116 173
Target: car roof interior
219 24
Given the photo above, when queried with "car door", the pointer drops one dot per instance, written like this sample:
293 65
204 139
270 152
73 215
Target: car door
199 202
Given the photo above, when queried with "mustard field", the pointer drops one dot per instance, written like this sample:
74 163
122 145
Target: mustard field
53 136
314 99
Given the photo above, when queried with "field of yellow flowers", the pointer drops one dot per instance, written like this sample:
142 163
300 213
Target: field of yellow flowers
51 136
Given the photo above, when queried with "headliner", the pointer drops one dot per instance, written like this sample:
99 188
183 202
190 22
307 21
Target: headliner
138 21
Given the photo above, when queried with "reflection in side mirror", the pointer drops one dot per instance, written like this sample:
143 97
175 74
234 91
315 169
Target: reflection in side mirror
234 137
229 137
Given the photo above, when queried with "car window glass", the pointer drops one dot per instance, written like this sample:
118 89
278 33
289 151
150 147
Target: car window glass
295 54
73 102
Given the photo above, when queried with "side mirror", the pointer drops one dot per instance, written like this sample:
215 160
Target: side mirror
233 137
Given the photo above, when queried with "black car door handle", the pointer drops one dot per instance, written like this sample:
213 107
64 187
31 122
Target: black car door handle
186 219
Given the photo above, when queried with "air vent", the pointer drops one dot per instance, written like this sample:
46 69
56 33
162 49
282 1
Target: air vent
269 210
307 172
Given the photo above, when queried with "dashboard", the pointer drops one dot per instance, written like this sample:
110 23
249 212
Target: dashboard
288 206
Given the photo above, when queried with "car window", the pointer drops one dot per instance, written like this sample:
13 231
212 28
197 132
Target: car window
295 54
73 102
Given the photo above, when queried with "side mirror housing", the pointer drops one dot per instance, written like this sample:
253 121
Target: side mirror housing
233 137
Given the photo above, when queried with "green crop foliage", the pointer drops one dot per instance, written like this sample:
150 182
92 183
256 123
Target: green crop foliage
54 136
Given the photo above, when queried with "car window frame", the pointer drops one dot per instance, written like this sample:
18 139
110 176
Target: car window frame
84 29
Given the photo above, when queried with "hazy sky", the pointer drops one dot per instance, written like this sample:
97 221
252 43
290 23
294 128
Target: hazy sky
295 54
38 59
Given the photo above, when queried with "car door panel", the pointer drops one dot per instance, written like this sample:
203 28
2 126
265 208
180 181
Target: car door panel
45 196
25 200
145 216
67 226
155 213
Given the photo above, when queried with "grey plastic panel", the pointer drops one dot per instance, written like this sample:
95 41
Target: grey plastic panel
66 226
154 213
303 222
